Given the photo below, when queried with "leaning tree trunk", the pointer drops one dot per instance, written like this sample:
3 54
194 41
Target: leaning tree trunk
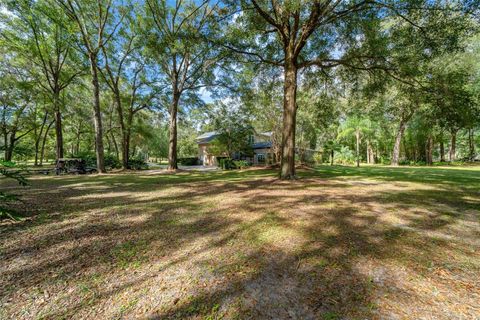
97 117
453 143
58 125
172 144
398 141
289 119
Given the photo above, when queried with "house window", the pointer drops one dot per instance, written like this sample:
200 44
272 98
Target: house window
261 158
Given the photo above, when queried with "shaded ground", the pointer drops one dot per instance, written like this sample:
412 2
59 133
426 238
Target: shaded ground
339 243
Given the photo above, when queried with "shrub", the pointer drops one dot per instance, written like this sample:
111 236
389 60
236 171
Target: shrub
226 163
345 156
137 163
191 161
385 160
111 161
89 158
240 164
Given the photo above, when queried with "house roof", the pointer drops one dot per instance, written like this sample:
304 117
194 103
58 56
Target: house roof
207 137
262 145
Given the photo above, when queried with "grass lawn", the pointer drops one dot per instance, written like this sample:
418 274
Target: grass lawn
338 243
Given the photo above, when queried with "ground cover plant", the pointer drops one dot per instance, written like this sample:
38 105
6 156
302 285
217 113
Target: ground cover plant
338 243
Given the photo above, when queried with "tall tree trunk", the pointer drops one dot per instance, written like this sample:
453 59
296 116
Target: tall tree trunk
471 144
115 145
370 153
39 138
42 151
5 143
357 138
9 146
58 124
429 150
398 141
332 154
123 129
128 134
289 120
442 148
97 116
172 144
453 143
78 136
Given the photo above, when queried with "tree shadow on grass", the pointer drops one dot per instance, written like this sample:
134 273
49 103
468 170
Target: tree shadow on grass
278 251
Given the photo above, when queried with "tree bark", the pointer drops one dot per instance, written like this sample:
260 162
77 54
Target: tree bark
471 144
97 116
357 138
442 148
58 125
453 143
289 120
331 160
370 153
398 141
42 151
10 146
429 151
39 137
125 155
172 144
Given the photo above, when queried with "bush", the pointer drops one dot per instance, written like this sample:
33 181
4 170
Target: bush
137 163
240 164
111 162
89 158
191 161
226 163
345 156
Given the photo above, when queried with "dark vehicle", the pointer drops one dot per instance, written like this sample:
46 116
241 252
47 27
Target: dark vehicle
72 166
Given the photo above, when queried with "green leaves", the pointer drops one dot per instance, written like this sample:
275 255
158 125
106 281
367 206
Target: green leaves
7 171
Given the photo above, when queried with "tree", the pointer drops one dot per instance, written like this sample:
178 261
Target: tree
178 43
331 146
93 19
234 132
124 71
298 34
357 126
16 100
34 34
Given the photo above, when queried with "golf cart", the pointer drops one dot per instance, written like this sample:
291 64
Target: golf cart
72 166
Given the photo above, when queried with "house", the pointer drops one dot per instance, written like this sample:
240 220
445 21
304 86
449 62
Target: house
261 145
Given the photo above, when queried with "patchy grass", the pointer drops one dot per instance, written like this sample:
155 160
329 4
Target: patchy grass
338 243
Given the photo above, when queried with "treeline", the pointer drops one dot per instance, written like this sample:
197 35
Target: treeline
380 82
